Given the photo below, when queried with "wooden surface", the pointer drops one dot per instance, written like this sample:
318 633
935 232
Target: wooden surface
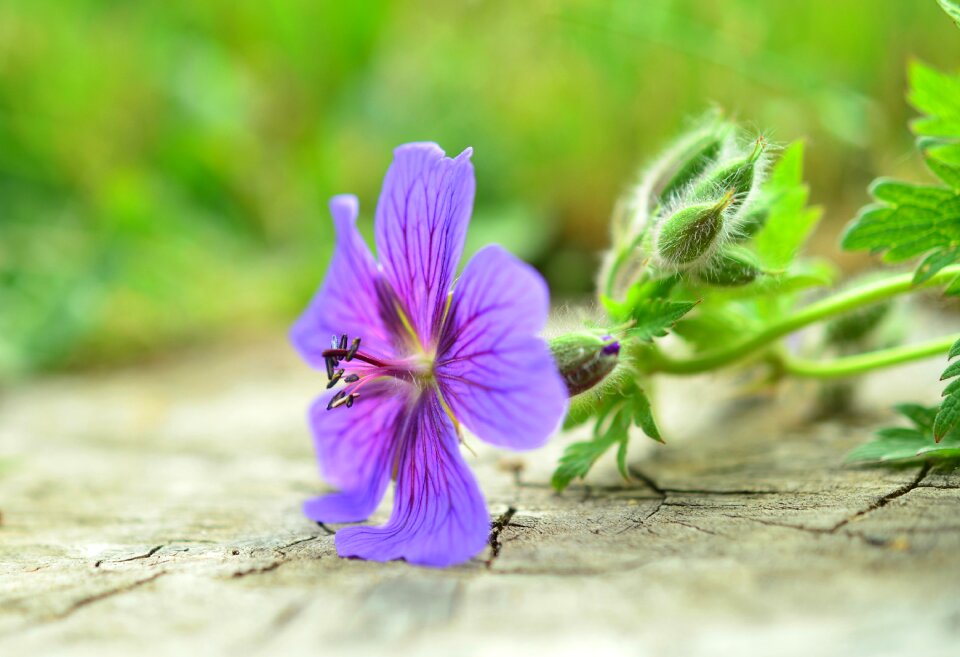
155 511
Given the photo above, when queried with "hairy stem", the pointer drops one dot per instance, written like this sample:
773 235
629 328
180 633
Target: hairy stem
851 365
837 304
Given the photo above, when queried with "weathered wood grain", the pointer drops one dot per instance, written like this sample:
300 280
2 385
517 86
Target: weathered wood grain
155 511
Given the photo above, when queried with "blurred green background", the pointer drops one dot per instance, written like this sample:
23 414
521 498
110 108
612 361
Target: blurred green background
165 165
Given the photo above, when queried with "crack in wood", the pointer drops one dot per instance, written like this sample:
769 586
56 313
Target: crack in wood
103 595
297 542
152 551
886 499
498 526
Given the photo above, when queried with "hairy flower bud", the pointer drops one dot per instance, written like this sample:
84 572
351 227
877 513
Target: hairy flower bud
736 175
584 359
689 235
694 160
731 268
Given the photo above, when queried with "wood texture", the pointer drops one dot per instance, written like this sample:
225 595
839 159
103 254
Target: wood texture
155 511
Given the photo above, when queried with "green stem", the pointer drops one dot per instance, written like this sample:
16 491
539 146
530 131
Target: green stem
838 304
852 365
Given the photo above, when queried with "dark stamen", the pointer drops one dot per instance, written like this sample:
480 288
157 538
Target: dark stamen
350 378
336 400
331 362
338 354
353 349
343 341
336 377
350 400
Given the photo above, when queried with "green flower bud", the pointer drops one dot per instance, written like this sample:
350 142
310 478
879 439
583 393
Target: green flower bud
584 359
695 159
731 268
856 325
690 233
735 175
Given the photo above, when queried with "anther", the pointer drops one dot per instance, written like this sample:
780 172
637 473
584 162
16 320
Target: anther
353 348
350 400
339 398
343 341
334 342
331 363
350 378
336 377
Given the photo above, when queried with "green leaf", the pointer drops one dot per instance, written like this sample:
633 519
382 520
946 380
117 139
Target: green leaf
654 317
954 350
948 173
921 416
789 221
909 443
934 262
952 8
615 414
952 370
895 192
577 460
947 418
920 220
643 415
622 459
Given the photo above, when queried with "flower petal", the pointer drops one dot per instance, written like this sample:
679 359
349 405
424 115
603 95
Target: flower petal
349 299
439 517
420 228
355 448
497 376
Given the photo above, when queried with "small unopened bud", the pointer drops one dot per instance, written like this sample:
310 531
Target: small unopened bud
694 160
584 359
732 267
690 234
857 325
735 175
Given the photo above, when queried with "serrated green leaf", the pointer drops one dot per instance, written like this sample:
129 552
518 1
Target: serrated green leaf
921 416
895 192
654 317
954 350
947 418
933 93
948 173
920 220
576 462
622 460
907 443
952 9
953 387
934 262
905 231
789 222
952 370
890 448
643 415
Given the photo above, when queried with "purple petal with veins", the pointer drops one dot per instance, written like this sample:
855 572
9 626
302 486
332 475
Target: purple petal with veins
495 373
412 346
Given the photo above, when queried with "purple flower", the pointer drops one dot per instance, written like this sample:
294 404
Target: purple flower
419 352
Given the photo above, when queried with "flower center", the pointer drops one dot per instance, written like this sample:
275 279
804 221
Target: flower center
364 368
